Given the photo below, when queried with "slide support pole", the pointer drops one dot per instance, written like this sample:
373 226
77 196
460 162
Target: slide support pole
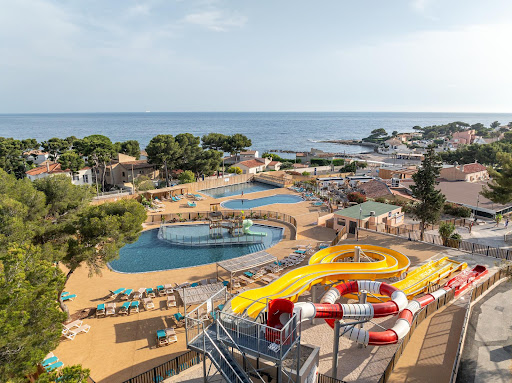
357 254
363 296
335 349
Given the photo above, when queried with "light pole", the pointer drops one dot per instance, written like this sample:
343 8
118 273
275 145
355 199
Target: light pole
477 203
359 222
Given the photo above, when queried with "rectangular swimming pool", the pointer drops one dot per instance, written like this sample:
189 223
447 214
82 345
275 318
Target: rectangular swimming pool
231 190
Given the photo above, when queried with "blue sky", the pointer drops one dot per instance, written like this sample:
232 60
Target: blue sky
290 55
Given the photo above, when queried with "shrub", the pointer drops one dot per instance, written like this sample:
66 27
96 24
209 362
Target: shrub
320 162
187 177
234 169
306 173
356 197
338 162
456 210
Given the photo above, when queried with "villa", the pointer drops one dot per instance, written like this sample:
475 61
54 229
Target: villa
83 177
469 172
124 169
253 166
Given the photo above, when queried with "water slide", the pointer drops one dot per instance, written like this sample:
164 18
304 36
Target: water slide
280 310
247 223
325 266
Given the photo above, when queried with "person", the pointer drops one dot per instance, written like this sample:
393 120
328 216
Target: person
242 193
506 223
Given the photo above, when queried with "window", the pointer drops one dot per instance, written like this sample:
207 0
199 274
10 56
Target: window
124 174
76 177
107 173
85 178
341 222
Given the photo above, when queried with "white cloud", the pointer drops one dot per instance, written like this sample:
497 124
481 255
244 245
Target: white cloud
420 5
218 21
139 10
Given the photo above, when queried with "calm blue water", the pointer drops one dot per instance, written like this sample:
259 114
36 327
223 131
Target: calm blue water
231 190
152 254
240 204
289 131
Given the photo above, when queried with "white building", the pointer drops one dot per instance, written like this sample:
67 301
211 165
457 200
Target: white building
37 156
82 177
253 166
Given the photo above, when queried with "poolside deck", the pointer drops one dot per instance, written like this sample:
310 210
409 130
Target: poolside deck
118 348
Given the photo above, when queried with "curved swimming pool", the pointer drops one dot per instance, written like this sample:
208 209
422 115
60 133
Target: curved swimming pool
150 253
241 203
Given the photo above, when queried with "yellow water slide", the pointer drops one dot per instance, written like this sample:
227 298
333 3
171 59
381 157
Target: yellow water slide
324 266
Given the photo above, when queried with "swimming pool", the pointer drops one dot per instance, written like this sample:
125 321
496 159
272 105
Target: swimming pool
152 254
232 190
242 203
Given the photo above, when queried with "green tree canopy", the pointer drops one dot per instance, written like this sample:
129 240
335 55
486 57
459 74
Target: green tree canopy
430 201
72 161
164 151
236 143
54 147
99 151
130 148
214 141
68 374
12 158
499 189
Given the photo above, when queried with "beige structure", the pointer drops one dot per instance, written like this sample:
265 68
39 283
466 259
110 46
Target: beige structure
274 165
397 172
125 169
469 173
368 215
464 137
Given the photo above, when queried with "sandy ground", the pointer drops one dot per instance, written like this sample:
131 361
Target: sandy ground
118 348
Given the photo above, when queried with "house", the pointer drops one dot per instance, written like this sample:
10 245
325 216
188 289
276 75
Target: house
369 215
82 177
470 172
37 156
464 137
397 172
375 189
248 155
124 169
274 165
253 166
306 157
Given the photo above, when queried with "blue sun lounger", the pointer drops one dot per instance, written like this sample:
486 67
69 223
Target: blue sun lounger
150 293
134 306
195 284
300 251
68 297
191 204
49 361
114 294
53 366
179 317
248 274
126 294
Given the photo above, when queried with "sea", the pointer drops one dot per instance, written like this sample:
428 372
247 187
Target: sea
291 131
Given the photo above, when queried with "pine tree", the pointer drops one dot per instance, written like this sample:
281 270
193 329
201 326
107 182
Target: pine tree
430 201
499 190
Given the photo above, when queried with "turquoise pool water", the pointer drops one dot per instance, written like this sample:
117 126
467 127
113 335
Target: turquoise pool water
241 203
152 254
232 190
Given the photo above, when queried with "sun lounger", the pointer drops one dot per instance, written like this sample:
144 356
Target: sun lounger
183 285
300 251
191 204
138 294
195 284
148 303
179 319
168 289
114 294
248 274
134 306
126 294
49 361
161 338
100 310
71 325
111 309
266 279
204 282
161 290
171 335
72 333
123 310
54 366
246 280
171 301
68 297
150 293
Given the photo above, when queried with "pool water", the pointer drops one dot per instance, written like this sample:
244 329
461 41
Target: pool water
232 190
152 254
241 203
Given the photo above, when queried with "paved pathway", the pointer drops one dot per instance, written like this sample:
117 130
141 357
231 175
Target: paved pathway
487 354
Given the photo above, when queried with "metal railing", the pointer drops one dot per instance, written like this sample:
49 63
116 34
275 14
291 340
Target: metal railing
205 215
260 338
203 240
170 368
466 246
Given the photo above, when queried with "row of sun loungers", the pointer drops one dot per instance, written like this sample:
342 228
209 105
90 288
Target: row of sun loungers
51 363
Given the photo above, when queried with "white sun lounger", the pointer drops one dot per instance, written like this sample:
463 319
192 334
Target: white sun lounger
69 326
148 303
171 301
110 309
138 294
72 333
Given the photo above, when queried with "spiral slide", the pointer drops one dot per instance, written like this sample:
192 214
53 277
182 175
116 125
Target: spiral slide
280 310
323 267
